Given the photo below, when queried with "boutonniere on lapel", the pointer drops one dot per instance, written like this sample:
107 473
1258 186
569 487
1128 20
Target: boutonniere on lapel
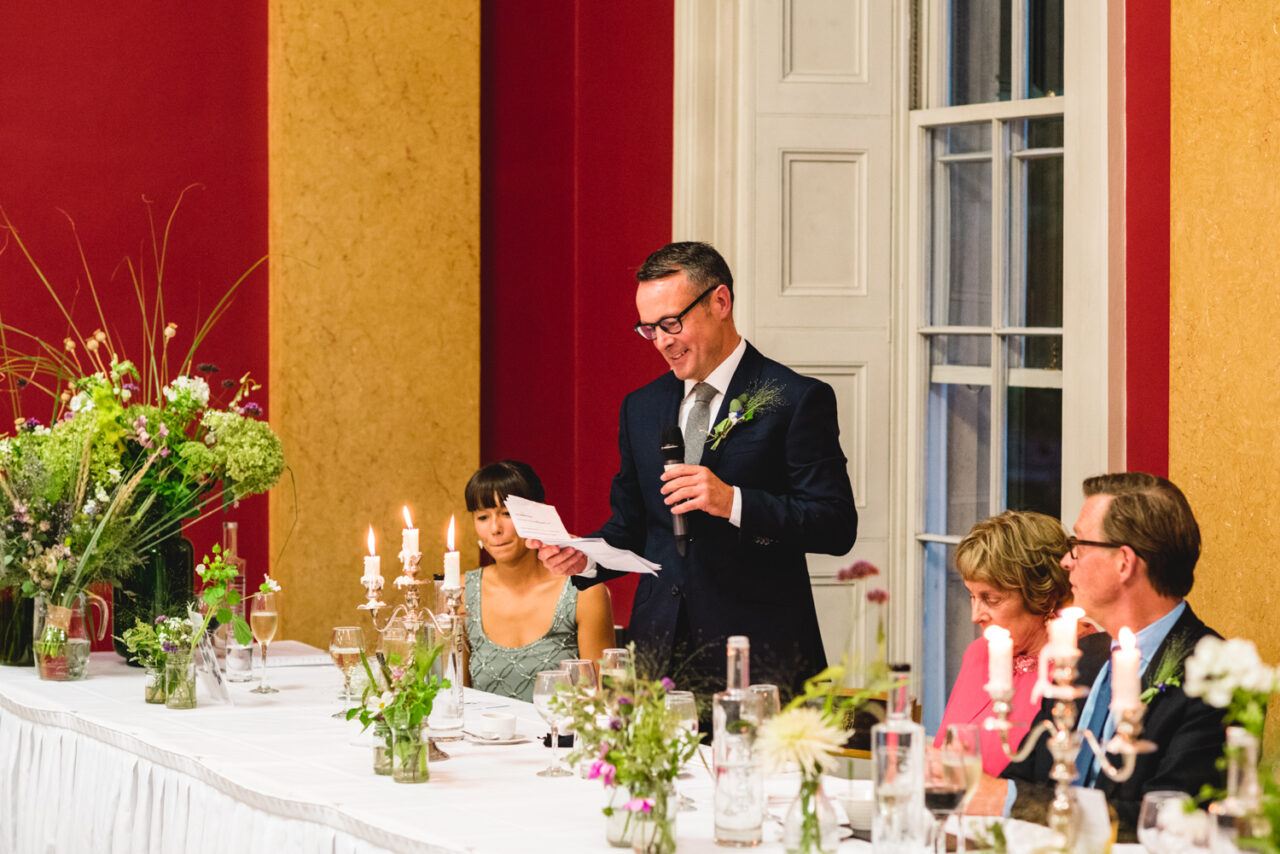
757 400
1169 671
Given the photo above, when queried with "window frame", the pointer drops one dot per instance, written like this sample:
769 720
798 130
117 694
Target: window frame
1091 318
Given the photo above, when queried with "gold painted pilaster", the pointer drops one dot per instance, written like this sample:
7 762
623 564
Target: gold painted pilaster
374 141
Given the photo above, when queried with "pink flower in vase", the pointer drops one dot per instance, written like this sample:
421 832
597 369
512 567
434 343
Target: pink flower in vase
861 569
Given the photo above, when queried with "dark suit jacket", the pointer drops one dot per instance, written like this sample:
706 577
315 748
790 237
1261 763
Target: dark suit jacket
1188 733
752 580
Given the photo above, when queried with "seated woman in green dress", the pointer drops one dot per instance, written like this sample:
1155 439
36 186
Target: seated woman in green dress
520 617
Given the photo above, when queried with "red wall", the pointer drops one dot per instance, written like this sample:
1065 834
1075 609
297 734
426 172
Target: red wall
1147 36
576 191
102 104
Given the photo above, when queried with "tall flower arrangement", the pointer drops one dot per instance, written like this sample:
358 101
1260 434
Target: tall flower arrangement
133 446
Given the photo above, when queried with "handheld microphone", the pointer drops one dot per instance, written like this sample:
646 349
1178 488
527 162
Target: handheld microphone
672 449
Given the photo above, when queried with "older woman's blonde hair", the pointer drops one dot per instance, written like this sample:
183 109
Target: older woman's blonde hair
1019 552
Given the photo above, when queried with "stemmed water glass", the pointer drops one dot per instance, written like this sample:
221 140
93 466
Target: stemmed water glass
546 686
684 708
345 644
581 673
264 619
951 776
770 701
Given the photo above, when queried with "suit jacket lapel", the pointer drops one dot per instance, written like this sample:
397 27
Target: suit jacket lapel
748 372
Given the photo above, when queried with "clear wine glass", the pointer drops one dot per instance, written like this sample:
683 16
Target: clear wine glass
581 674
345 645
951 776
546 685
264 619
1156 831
684 707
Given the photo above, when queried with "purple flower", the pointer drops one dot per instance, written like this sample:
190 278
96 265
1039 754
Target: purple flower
251 409
160 619
207 367
169 646
602 771
667 684
860 569
624 701
615 724
878 596
131 387
31 423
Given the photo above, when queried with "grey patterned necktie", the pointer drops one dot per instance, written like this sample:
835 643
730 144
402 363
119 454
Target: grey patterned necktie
698 427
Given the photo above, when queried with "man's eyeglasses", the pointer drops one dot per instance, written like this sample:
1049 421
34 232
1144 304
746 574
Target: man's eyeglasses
1073 542
672 324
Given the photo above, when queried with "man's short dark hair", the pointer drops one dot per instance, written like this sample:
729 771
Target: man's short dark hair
491 485
700 262
1151 516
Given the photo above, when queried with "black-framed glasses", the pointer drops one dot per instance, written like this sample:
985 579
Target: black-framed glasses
672 323
1073 542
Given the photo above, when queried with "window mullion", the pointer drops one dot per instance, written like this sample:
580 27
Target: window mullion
999 278
1018 45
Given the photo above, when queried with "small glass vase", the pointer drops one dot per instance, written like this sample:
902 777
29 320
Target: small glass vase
810 826
16 614
618 824
180 680
409 754
153 686
654 832
381 749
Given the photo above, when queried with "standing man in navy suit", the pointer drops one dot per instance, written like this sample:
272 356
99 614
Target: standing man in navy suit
772 489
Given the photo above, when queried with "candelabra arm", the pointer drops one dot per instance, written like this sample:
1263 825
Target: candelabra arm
1028 744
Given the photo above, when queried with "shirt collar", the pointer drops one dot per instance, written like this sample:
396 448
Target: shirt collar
720 377
1150 637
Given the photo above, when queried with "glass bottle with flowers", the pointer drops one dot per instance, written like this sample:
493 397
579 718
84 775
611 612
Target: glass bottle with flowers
397 702
636 743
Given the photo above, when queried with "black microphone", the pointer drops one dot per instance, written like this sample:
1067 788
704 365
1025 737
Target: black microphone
673 455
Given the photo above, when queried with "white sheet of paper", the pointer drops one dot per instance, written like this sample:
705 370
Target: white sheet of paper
537 521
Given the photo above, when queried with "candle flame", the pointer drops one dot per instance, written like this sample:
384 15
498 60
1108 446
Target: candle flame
1075 612
1128 640
408 522
994 632
371 550
449 541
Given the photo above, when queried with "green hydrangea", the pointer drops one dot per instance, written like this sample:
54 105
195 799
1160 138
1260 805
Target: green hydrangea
247 451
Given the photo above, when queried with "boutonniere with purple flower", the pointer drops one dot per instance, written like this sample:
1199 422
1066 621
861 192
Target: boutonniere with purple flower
1169 671
756 401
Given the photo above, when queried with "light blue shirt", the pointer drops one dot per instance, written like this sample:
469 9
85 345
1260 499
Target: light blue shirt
1148 640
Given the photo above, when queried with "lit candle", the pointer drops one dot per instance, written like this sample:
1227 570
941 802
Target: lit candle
409 536
999 659
452 563
1063 631
1125 681
372 563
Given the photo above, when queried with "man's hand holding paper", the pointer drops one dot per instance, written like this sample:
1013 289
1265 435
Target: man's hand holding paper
540 524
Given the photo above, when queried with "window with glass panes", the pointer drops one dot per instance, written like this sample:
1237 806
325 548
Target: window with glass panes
989 317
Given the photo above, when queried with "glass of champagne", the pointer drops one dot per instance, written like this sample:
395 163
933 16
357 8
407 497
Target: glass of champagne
684 708
546 686
264 619
951 776
345 644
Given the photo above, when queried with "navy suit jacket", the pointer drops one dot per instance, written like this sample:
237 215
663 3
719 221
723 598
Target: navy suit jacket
1188 733
753 580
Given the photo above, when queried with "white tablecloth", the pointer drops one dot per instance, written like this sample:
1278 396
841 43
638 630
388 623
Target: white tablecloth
88 766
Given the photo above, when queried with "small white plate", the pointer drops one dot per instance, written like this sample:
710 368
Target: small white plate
514 738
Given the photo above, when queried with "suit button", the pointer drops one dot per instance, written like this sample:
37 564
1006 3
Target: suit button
675 590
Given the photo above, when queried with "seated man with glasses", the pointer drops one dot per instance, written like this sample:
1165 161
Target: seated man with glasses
1131 565
755 494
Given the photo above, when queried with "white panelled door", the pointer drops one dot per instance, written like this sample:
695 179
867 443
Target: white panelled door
784 160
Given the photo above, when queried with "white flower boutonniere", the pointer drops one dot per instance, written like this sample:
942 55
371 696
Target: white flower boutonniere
757 401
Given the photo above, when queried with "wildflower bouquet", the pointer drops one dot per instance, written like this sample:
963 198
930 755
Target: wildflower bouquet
636 742
132 447
399 696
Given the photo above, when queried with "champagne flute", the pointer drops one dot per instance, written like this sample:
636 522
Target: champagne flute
264 620
684 708
345 644
951 776
581 673
546 685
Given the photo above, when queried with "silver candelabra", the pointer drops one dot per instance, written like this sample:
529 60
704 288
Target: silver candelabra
1065 742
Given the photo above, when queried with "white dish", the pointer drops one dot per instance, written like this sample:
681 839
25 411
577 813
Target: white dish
514 738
